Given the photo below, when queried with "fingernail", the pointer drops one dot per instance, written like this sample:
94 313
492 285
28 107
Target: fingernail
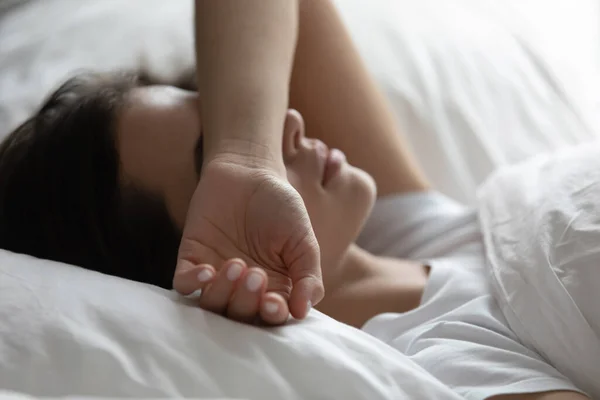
254 281
271 307
194 295
308 306
205 275
234 271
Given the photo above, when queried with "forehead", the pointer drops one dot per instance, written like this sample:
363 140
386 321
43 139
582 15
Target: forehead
156 111
157 132
161 97
158 123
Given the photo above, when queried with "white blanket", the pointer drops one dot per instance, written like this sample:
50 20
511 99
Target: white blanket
541 223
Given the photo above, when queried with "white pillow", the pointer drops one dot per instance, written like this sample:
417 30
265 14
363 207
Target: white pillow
44 42
70 331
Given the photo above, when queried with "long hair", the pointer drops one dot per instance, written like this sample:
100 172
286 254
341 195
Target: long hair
61 196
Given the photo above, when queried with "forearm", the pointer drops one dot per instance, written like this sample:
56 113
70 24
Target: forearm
245 51
342 105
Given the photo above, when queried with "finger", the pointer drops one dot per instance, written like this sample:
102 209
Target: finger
188 259
303 291
273 309
194 278
216 297
307 281
244 305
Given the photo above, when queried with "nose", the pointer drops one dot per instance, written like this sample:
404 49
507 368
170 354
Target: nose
293 134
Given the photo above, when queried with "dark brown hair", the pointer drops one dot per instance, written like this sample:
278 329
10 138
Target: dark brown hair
61 196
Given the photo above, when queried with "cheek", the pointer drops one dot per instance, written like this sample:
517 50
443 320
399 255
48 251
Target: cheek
178 194
308 191
326 213
338 214
295 180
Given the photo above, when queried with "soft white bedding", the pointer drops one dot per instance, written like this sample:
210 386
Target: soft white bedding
541 223
68 331
475 84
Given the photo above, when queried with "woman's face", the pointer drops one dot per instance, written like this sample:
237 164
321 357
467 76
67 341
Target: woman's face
159 142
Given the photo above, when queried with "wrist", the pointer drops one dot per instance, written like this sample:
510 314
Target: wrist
246 153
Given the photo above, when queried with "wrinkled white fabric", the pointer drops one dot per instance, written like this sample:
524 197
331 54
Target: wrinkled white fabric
66 331
458 333
541 225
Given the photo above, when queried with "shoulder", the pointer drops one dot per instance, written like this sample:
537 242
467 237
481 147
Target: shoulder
415 225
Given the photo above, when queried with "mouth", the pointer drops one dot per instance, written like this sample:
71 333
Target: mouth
333 165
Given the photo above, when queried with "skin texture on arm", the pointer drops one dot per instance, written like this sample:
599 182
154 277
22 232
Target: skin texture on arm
243 206
244 54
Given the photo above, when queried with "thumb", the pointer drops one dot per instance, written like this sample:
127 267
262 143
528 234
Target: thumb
185 267
307 282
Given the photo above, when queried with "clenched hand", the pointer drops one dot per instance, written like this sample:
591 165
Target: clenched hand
240 210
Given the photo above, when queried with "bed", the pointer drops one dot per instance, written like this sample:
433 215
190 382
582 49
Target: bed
475 84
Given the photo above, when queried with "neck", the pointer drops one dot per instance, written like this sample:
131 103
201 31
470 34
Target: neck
365 285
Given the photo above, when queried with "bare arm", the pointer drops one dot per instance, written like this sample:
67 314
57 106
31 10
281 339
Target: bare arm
244 59
342 105
244 210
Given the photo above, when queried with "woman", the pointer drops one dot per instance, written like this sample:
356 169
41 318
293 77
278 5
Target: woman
102 176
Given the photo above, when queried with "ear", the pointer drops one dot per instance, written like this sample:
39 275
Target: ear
293 133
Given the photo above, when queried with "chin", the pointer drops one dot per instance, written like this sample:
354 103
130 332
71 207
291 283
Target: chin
356 198
339 214
365 192
343 221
